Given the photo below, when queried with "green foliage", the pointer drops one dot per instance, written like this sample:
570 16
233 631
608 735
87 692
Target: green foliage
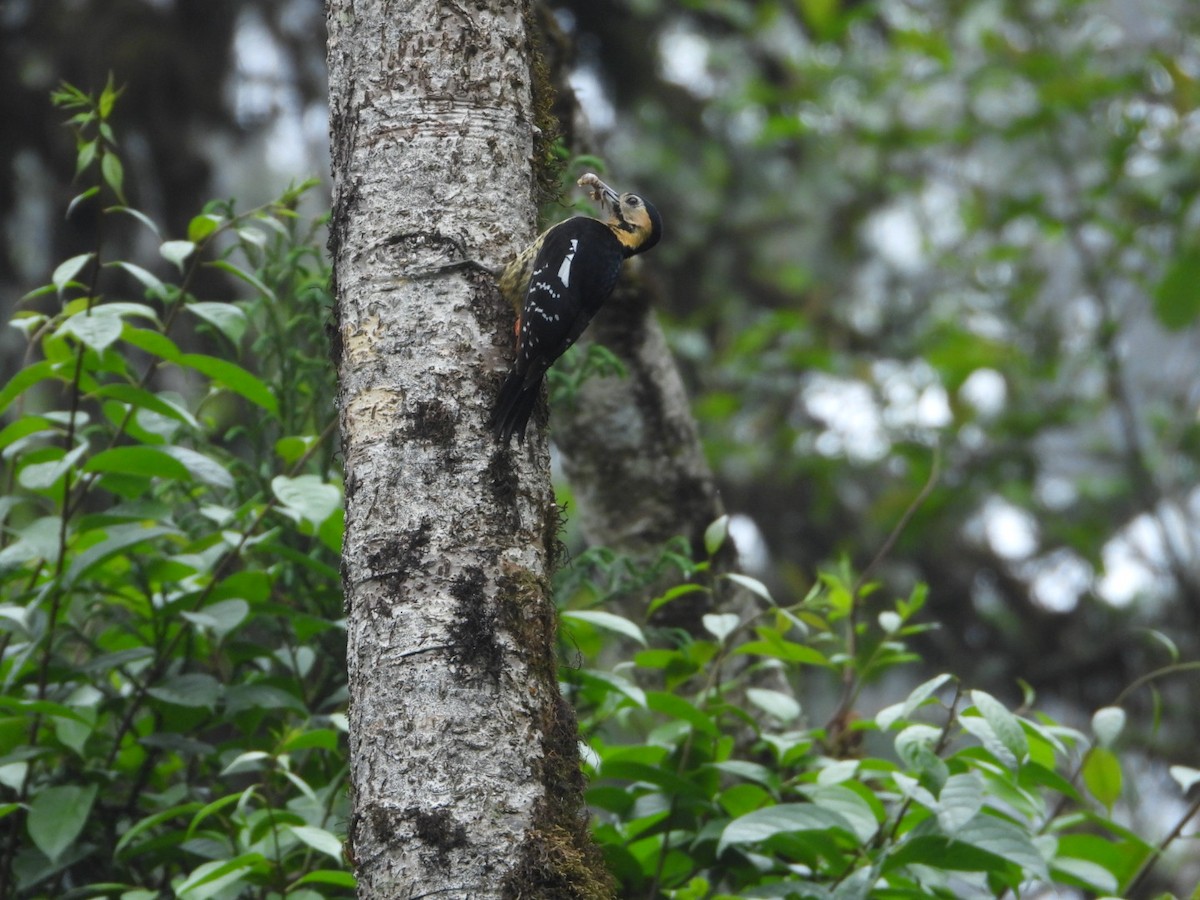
711 779
171 651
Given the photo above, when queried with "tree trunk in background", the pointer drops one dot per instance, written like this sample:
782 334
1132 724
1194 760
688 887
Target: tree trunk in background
464 759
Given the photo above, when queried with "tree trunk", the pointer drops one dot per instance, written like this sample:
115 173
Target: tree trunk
464 759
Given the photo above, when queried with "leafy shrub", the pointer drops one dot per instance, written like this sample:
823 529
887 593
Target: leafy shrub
711 781
170 650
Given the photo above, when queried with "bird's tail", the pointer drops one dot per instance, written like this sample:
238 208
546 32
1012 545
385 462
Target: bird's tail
514 406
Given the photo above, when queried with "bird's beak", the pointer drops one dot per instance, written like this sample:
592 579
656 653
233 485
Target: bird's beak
601 193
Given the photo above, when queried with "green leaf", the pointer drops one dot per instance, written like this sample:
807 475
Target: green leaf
141 399
787 818
788 651
137 214
57 816
67 270
1005 840
233 377
149 280
1085 873
202 226
888 716
753 585
114 174
230 320
849 805
607 621
151 462
85 156
720 625
248 277
220 618
203 468
1004 724
776 703
80 198
682 710
960 799
1102 775
1177 296
332 877
177 252
41 476
97 329
1107 724
212 878
319 839
118 539
193 689
25 379
715 534
311 498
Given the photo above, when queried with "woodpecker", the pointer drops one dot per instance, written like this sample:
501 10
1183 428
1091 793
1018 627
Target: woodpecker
559 283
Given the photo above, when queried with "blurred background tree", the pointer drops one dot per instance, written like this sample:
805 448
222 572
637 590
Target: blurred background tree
894 227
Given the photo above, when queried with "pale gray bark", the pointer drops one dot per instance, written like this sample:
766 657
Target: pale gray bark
464 762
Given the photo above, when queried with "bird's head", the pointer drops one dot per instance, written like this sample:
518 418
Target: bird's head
634 220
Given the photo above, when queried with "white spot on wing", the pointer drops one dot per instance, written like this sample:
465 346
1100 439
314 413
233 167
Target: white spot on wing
564 271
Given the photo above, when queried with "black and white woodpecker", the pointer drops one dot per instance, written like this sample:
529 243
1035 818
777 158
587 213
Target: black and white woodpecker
559 283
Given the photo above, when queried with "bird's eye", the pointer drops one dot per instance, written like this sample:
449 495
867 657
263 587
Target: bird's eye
634 201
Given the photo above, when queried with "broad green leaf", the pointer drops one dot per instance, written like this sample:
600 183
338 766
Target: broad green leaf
333 877
720 625
1107 724
203 468
212 878
140 399
177 252
202 226
753 585
57 816
249 277
151 462
193 689
312 498
1102 775
98 329
230 320
682 710
776 703
1004 724
234 377
1090 874
1005 840
137 214
25 379
114 174
240 697
149 280
888 716
118 539
220 618
849 805
788 818
983 731
149 822
788 651
68 269
960 799
42 476
599 619
319 839
715 534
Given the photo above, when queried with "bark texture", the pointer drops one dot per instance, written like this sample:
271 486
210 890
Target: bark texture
464 761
